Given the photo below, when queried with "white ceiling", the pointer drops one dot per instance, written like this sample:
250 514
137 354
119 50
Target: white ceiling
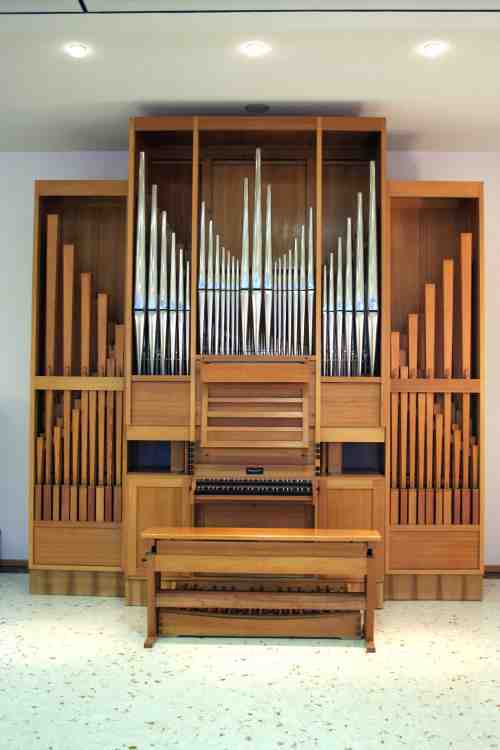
322 62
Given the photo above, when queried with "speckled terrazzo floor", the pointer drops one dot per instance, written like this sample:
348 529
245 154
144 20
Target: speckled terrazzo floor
74 676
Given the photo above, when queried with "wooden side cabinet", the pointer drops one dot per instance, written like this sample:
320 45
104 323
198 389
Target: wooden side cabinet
354 502
153 500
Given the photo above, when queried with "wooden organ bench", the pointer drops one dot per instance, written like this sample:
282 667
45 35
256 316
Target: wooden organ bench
240 582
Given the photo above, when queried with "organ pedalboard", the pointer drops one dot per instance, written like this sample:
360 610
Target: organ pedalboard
254 487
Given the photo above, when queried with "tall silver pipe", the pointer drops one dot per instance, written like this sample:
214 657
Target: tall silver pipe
245 270
279 308
140 263
202 281
153 281
181 311
302 289
210 285
324 369
227 295
268 273
173 306
257 254
163 301
239 325
188 317
333 352
139 320
348 317
360 284
295 288
284 305
274 344
310 282
216 294
233 306
289 303
373 308
223 333
340 309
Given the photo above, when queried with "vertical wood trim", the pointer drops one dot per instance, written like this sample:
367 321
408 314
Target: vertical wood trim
482 375
319 248
129 274
35 301
194 273
385 334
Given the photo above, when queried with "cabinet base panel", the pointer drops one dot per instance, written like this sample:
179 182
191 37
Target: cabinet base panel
334 625
430 587
76 582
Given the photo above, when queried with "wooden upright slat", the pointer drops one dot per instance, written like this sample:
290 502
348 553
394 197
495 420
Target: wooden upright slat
412 403
412 429
413 345
466 310
466 299
101 454
91 492
475 484
56 490
68 297
448 318
51 293
102 333
83 493
439 468
429 441
110 439
117 493
465 439
394 458
403 451
86 322
457 449
119 348
430 329
75 464
447 500
421 458
39 477
395 349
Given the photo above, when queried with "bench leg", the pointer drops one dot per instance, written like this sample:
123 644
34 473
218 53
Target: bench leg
371 600
152 612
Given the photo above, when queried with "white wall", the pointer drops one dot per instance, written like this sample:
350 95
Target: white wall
421 165
17 172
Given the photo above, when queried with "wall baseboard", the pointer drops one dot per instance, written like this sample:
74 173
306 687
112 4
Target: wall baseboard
492 571
13 566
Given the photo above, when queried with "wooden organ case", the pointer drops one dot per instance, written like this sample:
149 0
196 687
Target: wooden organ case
263 429
279 434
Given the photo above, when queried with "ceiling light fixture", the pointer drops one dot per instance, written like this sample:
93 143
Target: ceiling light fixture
77 50
433 48
255 48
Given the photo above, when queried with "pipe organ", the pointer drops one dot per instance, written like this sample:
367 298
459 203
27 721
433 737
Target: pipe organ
258 331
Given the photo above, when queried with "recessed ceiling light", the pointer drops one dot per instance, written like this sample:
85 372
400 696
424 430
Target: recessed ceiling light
255 48
77 50
433 48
